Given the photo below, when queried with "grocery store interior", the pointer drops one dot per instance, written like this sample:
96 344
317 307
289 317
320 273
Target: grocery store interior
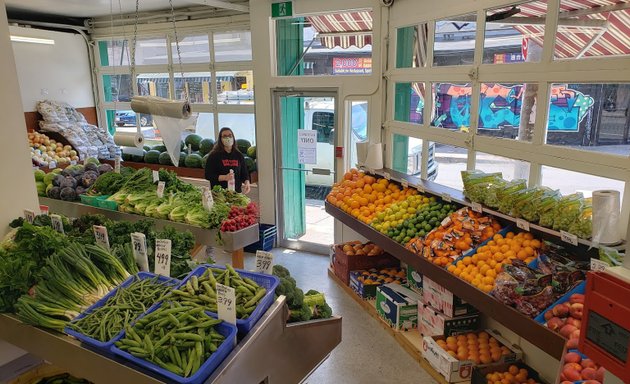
295 191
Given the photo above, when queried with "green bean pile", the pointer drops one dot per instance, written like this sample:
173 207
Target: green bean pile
201 291
105 322
176 337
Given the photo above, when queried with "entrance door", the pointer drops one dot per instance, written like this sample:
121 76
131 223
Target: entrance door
305 123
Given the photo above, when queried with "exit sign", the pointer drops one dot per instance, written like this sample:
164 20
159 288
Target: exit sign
284 9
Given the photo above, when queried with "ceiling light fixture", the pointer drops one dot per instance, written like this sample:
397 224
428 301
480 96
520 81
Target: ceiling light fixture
34 40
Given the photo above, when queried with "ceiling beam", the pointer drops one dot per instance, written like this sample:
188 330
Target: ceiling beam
222 4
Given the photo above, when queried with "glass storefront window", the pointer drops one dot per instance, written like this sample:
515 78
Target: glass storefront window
233 46
569 182
454 42
151 51
114 53
450 161
411 46
510 168
117 87
409 102
194 49
242 124
198 85
153 84
451 106
235 87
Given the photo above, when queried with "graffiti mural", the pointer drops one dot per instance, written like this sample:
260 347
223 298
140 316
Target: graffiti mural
500 106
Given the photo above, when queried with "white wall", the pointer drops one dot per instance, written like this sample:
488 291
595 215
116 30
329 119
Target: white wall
57 72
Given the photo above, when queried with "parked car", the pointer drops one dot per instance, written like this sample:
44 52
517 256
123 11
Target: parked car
129 118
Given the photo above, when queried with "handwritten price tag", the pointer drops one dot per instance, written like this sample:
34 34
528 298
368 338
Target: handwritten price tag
404 184
446 197
189 149
264 262
160 189
568 238
57 224
43 209
206 199
387 176
163 257
117 164
477 207
522 224
139 245
29 216
226 303
100 235
156 176
598 265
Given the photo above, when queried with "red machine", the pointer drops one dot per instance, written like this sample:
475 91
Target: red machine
605 335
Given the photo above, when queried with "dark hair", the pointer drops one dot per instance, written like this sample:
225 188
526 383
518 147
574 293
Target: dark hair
218 146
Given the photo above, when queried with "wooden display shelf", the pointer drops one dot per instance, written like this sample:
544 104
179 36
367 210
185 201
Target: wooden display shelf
537 334
411 341
196 173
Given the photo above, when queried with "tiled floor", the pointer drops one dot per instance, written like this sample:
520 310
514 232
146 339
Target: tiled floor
367 353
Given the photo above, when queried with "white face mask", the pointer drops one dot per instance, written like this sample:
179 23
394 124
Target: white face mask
227 141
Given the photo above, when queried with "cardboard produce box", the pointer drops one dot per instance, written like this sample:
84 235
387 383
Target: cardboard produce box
346 261
397 306
368 290
443 300
414 279
454 370
480 372
432 322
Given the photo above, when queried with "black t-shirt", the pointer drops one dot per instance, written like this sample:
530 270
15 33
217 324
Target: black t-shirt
220 163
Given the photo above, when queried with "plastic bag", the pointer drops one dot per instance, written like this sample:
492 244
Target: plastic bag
567 211
583 225
508 193
547 209
529 207
491 199
476 184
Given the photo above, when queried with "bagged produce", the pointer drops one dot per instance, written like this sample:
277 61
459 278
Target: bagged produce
521 198
567 211
476 184
583 225
529 207
547 209
491 199
507 194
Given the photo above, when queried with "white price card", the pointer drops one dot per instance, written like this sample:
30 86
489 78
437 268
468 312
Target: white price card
29 216
446 197
43 209
57 224
522 224
568 238
226 303
82 157
156 176
163 257
73 162
477 207
420 188
139 246
100 234
206 198
189 149
446 221
52 165
160 189
264 262
387 176
404 184
598 265
117 164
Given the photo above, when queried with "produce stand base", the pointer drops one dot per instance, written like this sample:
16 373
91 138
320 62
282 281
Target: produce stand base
411 341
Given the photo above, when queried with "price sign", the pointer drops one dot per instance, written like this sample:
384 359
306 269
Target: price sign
598 265
404 184
568 238
446 197
43 209
117 164
189 149
226 303
82 157
100 234
160 189
477 207
73 162
264 262
387 176
52 165
29 216
420 188
163 257
139 245
57 224
522 224
446 221
206 198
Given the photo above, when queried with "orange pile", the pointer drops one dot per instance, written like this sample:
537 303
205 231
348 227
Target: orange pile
363 196
480 348
512 376
482 268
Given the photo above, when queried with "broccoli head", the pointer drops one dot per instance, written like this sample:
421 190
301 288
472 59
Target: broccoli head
317 302
280 271
294 295
302 313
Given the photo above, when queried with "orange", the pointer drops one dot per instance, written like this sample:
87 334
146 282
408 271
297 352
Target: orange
513 370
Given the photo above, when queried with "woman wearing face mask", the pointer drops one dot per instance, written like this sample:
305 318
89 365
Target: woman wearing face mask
225 157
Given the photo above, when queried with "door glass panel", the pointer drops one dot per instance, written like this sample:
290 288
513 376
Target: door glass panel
358 111
117 87
305 183
454 42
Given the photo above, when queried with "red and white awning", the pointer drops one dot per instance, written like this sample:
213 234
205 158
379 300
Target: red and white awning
344 29
610 37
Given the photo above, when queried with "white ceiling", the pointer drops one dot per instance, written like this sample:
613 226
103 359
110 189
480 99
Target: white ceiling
93 8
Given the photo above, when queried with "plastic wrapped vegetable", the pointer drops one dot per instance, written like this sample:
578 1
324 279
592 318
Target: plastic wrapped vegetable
491 199
508 194
476 184
567 211
528 207
583 225
547 209
521 198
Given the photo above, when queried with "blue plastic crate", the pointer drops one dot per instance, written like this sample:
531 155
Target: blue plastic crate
268 282
106 346
266 238
227 330
580 288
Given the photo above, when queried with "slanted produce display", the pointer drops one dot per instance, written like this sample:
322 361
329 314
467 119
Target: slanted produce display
307 306
71 182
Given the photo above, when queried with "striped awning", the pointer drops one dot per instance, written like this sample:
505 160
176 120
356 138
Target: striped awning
344 29
586 28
